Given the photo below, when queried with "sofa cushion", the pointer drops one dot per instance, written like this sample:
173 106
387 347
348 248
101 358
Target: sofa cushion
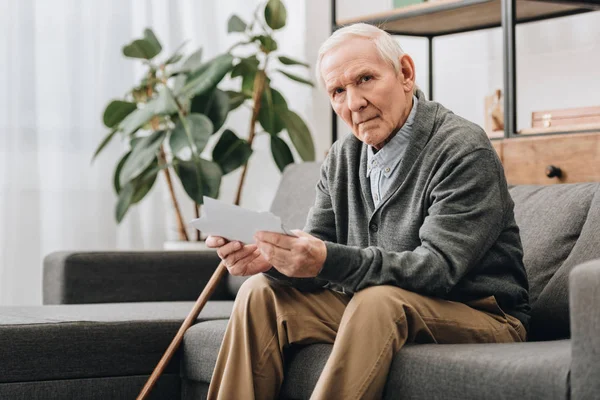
551 219
201 344
92 340
473 371
550 313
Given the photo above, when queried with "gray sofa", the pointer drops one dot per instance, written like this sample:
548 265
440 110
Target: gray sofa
109 317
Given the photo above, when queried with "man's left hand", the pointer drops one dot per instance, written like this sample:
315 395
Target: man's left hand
296 257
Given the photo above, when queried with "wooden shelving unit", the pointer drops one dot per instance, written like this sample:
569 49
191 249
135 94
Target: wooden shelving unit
454 16
444 17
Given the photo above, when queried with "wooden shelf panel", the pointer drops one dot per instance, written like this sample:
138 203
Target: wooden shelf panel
453 16
561 129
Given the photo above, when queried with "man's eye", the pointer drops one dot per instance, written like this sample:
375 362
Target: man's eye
366 78
338 91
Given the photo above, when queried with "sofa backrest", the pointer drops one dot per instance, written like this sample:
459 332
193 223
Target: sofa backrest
294 197
559 228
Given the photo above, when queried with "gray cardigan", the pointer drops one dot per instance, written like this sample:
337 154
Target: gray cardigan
446 228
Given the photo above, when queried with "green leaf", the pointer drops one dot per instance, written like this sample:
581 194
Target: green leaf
141 156
144 182
146 48
236 99
246 66
236 24
215 105
272 106
200 128
134 191
124 202
296 78
202 178
151 38
104 142
136 119
163 104
281 152
231 152
193 62
299 134
275 14
116 111
208 80
289 61
267 43
116 179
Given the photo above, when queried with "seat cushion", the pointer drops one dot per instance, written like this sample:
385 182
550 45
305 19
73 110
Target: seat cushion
201 345
92 340
473 371
555 223
537 370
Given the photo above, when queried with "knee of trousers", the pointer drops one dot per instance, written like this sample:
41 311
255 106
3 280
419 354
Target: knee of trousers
256 294
379 303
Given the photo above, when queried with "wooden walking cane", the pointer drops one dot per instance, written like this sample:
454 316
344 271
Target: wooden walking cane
211 286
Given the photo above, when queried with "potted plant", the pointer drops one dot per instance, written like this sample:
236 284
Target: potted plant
167 120
268 105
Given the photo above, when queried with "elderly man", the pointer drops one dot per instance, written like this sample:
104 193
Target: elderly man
411 238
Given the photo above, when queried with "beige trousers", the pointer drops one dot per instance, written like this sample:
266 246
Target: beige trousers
365 329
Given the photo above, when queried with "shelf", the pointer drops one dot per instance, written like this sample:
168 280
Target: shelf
560 129
443 17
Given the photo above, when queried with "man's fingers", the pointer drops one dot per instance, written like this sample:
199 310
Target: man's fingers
215 241
273 254
240 267
234 257
276 239
226 250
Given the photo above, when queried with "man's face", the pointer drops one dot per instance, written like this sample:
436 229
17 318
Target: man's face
366 92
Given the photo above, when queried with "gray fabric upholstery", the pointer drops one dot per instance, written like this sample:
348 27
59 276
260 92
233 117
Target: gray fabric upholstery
493 371
113 388
585 326
446 372
201 345
481 371
557 225
193 390
92 340
294 197
110 277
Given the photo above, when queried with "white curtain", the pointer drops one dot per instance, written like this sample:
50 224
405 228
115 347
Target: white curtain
60 64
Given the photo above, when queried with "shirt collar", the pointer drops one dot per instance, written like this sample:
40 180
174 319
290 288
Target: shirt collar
388 158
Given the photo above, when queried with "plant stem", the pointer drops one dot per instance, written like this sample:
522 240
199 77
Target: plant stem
180 225
197 214
163 160
259 84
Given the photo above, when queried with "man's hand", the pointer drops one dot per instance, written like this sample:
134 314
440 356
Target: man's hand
295 257
239 260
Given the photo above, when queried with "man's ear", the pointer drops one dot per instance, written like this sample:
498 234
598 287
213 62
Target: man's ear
407 67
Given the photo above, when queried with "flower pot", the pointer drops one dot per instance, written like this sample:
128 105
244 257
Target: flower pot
181 245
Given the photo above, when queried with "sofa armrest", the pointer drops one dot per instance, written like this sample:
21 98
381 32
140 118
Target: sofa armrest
584 300
119 276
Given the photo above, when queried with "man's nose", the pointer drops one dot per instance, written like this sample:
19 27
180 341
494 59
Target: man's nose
356 101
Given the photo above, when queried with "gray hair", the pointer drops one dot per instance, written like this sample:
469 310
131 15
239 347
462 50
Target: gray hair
389 50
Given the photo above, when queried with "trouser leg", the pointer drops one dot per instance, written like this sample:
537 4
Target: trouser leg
266 318
379 320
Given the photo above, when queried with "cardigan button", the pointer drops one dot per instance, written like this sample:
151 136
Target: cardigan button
373 227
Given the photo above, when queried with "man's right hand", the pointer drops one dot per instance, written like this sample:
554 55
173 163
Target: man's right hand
240 260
